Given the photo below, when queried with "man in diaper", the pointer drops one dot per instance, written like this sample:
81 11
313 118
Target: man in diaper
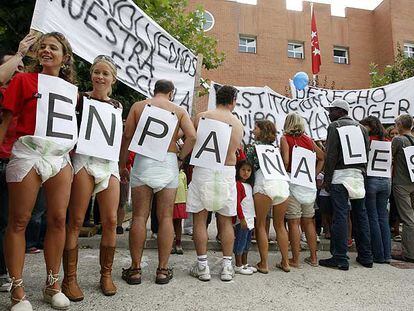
150 176
215 190
345 182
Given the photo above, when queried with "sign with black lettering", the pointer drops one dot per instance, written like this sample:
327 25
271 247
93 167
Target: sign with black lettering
379 159
154 132
409 157
352 144
303 169
55 110
385 102
262 103
142 50
271 162
212 144
100 132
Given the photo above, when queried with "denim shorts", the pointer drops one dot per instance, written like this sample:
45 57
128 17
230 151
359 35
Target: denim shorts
242 241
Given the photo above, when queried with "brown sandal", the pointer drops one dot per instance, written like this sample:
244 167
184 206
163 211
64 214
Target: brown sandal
167 273
128 273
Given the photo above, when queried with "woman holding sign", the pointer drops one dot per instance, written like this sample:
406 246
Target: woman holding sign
302 190
269 190
40 156
96 174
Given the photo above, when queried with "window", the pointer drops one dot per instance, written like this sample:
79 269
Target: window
247 44
409 49
208 23
295 50
341 55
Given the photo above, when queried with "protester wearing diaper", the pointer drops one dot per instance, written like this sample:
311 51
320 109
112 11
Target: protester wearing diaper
346 181
98 176
151 130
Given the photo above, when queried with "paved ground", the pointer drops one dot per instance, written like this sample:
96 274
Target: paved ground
382 288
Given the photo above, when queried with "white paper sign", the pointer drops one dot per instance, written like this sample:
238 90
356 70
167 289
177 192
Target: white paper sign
142 50
409 157
100 132
379 159
212 144
353 144
271 162
154 132
55 110
303 168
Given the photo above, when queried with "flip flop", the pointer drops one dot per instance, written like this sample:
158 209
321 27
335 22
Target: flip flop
309 262
284 269
260 270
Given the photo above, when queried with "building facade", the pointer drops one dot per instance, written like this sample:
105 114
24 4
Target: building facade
266 44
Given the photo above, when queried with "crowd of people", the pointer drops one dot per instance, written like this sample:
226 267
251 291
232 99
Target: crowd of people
36 171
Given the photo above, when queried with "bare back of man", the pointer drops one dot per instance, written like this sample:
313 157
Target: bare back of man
143 189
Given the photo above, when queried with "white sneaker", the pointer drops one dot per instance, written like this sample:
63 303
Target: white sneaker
202 274
303 237
254 269
243 270
23 305
5 283
318 239
227 273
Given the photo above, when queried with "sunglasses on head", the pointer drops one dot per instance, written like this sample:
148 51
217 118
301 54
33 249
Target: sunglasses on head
105 57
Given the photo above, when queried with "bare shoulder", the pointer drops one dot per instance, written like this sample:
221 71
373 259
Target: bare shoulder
236 122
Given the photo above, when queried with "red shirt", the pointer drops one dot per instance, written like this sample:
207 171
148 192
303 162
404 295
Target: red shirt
376 137
8 141
20 98
241 194
303 141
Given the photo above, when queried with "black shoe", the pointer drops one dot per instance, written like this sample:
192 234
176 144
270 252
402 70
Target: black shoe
88 224
119 230
364 264
401 258
332 263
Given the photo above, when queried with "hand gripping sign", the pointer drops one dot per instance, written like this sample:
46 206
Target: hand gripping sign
353 144
303 167
154 132
409 157
100 131
55 110
212 144
379 159
271 163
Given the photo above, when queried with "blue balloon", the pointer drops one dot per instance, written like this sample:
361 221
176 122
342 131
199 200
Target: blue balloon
301 80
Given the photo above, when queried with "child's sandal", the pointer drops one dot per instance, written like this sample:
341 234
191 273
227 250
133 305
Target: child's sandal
167 273
128 273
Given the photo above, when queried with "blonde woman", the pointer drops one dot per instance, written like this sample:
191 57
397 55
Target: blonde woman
37 162
302 199
93 176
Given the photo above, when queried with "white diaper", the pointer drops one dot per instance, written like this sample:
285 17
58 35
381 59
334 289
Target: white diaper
45 156
276 190
100 169
213 190
153 173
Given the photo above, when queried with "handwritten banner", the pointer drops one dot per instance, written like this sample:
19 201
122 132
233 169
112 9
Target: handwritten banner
142 50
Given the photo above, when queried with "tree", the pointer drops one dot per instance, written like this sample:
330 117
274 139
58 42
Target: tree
173 15
401 69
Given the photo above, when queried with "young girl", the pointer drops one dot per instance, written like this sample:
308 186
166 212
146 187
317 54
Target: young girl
179 212
244 225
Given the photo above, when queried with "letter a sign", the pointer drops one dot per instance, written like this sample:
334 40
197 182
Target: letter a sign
353 144
55 111
303 167
154 132
213 140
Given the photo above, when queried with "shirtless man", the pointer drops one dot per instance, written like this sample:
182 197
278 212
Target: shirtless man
207 182
150 176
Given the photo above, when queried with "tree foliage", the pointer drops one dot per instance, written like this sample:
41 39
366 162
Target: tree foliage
173 15
401 69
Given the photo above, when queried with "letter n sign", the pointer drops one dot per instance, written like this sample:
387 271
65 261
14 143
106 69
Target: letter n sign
353 144
271 162
154 132
100 132
213 140
55 110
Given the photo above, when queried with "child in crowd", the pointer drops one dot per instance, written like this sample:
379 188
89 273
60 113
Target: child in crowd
244 224
179 212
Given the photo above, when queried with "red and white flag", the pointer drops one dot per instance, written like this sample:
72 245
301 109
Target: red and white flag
316 52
